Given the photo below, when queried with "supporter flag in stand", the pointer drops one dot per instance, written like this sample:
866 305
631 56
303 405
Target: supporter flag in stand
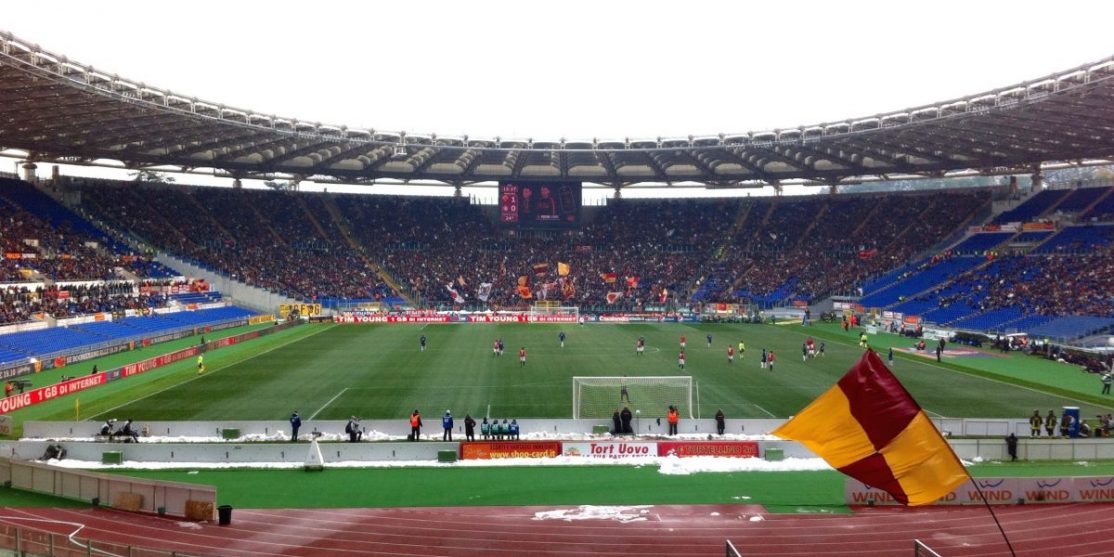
870 428
454 293
524 287
541 268
632 281
562 269
613 297
484 292
609 278
664 295
568 287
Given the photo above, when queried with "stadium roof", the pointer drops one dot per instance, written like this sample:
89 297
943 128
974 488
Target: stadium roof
58 110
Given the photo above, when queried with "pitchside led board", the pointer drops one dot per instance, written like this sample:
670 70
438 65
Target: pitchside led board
540 204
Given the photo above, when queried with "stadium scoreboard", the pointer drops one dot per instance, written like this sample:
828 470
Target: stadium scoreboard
540 204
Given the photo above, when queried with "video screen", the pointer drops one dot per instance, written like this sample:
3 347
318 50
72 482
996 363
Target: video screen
540 204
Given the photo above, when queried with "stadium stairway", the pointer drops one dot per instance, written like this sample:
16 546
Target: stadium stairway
346 231
245 295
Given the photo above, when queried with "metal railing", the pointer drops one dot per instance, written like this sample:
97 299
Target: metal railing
18 541
730 551
922 550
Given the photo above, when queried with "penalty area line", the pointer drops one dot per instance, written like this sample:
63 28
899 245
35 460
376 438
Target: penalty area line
331 400
768 413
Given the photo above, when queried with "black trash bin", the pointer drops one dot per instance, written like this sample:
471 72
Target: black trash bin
224 515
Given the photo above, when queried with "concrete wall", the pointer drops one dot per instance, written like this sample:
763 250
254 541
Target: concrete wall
296 453
954 427
245 453
154 495
242 295
393 428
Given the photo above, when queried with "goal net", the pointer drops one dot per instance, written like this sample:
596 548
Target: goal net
600 397
552 308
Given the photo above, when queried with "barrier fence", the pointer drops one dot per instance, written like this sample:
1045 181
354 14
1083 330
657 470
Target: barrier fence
922 550
193 501
32 542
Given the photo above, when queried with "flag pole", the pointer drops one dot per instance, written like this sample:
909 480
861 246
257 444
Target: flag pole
992 514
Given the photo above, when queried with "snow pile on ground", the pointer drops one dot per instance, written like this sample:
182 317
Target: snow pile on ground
669 465
673 466
636 513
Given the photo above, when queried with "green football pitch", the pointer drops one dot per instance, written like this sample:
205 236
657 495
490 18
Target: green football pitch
378 371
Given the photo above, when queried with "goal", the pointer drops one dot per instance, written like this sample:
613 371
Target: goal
600 397
548 310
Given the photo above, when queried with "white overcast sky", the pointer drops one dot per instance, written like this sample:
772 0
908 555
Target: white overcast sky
574 69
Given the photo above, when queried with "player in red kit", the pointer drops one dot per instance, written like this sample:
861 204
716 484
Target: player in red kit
522 356
730 354
681 360
684 342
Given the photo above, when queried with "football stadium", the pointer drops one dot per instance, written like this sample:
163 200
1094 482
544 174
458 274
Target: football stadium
225 332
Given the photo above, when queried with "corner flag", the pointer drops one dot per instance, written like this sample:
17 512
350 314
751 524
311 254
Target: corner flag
870 428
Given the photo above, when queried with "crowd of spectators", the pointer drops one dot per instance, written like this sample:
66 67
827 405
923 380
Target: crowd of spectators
30 245
806 248
21 303
272 240
1054 285
438 249
645 250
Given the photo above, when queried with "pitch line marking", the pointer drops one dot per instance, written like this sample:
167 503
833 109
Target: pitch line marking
196 377
993 380
768 413
331 400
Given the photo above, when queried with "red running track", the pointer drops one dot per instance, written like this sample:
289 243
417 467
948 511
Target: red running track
672 530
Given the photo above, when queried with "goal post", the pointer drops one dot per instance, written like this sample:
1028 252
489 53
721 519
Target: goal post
553 308
651 397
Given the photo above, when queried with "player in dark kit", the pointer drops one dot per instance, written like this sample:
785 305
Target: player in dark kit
640 346
421 341
709 341
561 336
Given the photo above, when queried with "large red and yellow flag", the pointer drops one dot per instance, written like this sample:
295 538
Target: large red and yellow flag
870 428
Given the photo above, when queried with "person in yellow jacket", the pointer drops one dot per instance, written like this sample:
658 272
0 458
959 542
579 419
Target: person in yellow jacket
1035 423
1050 423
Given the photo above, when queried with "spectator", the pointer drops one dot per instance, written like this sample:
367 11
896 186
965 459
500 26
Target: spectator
469 428
447 425
415 426
128 432
352 428
1011 446
674 418
721 422
625 418
295 424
